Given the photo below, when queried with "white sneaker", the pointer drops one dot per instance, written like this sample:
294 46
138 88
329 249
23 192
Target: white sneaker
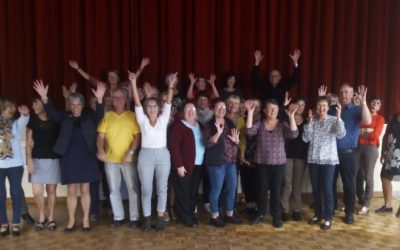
364 210
207 207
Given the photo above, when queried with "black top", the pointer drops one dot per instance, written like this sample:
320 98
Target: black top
44 134
297 148
225 94
277 93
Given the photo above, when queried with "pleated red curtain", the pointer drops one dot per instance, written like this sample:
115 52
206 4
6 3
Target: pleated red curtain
343 40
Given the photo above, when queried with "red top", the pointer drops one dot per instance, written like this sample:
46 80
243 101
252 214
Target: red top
377 124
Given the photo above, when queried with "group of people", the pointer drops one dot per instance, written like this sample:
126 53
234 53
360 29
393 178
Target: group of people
175 142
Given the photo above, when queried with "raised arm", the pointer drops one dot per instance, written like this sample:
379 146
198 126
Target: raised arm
92 80
42 90
255 73
250 107
135 93
366 118
172 81
99 94
211 81
295 77
189 93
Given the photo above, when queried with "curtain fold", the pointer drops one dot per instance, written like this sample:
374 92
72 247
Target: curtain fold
356 41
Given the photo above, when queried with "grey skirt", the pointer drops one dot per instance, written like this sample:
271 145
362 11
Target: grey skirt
47 171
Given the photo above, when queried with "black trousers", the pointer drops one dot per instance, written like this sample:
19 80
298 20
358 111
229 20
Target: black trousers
270 178
248 177
186 193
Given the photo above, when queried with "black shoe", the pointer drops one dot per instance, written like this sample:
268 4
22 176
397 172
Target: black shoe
277 223
384 209
86 229
28 218
69 229
296 216
349 219
234 219
398 213
117 223
189 223
326 225
147 223
314 221
15 230
285 216
160 224
135 224
257 220
5 230
217 222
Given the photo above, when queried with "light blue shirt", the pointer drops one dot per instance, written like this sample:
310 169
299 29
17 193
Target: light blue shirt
199 142
18 127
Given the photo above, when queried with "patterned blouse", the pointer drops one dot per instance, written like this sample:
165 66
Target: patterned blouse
322 135
270 145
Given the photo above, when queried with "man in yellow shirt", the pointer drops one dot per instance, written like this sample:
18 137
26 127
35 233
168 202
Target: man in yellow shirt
117 141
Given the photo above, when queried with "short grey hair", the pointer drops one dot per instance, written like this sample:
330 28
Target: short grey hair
76 97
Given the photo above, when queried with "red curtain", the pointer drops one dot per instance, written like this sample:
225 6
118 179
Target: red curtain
343 40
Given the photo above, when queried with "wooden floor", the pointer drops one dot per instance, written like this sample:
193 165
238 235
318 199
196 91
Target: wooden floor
372 231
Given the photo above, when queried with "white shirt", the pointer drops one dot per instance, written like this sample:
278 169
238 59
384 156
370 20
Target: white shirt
153 137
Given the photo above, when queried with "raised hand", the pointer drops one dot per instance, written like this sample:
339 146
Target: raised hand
212 78
73 87
292 110
172 80
192 78
287 99
42 90
250 105
220 127
361 95
100 91
258 56
310 116
73 64
132 77
145 61
65 92
23 110
234 136
322 90
295 56
338 110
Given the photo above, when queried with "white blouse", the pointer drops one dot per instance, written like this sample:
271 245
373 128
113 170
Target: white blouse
322 135
153 137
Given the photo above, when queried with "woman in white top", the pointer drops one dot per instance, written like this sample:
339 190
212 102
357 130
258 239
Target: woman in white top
154 158
321 133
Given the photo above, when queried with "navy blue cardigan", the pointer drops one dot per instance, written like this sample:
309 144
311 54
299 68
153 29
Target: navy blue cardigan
89 120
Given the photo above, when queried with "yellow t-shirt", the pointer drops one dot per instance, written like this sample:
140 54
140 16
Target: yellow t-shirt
119 132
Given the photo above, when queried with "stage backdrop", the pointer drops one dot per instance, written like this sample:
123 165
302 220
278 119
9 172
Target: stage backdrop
344 40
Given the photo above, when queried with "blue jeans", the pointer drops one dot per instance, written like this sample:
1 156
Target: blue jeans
322 187
14 176
225 174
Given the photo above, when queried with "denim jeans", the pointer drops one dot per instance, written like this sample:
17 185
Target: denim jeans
14 175
322 188
220 175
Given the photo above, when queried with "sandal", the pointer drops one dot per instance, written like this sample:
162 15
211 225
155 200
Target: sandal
40 225
4 230
15 230
52 225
